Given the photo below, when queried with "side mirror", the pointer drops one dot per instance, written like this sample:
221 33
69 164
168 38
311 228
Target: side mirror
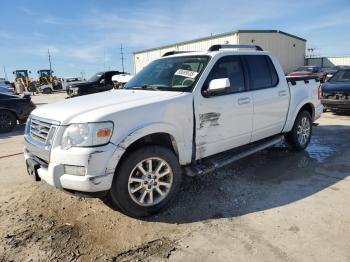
102 81
218 86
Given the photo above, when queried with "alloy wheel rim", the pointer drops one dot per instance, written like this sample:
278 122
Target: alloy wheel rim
303 131
150 181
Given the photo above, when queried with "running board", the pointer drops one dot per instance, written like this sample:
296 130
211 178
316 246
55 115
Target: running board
210 164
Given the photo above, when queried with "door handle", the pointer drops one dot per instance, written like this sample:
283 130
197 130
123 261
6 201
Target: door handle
282 93
244 101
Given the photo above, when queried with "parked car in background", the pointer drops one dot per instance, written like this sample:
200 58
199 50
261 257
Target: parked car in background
309 71
97 83
69 81
6 87
120 80
336 92
330 71
14 109
187 113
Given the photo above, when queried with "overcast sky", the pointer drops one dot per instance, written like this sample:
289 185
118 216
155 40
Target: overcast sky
85 35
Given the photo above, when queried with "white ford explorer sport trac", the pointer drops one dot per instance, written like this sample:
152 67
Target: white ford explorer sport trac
186 113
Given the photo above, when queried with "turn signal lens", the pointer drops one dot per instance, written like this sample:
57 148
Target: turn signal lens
104 132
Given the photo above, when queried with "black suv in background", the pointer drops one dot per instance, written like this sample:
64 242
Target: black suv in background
336 92
14 109
97 83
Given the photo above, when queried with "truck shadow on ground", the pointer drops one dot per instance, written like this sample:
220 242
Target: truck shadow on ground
18 131
268 179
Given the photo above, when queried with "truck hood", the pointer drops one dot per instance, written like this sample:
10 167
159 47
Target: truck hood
66 110
329 87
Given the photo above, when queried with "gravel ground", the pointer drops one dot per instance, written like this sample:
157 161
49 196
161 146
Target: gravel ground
275 205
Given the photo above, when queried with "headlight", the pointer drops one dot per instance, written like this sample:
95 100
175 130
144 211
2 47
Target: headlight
85 135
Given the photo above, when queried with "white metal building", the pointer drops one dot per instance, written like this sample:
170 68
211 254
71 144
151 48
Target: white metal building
328 61
289 49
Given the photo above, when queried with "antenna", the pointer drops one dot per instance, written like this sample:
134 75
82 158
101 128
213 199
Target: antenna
122 56
48 52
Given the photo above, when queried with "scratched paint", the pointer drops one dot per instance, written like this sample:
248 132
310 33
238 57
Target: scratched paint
209 119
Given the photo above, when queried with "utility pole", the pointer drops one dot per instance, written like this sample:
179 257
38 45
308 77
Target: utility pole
122 56
48 52
5 74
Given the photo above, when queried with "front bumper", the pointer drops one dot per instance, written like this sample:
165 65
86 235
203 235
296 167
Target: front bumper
336 104
97 176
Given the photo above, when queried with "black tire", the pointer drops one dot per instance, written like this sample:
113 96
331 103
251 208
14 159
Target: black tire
8 121
119 193
293 139
47 91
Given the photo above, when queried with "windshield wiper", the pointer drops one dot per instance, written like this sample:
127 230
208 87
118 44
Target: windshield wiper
145 87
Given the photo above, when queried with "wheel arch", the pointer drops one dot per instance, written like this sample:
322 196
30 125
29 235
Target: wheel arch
9 110
305 105
155 134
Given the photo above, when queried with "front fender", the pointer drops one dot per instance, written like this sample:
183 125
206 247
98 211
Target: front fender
183 149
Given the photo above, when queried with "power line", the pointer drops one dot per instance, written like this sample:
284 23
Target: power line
122 56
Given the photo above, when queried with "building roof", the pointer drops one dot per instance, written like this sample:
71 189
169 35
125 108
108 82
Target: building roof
220 35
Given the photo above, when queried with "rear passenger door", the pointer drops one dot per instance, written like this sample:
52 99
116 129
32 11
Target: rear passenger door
270 97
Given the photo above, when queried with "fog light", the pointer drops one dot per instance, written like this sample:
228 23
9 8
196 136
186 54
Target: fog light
74 170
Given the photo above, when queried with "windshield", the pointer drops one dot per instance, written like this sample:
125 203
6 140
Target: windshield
44 73
342 76
95 77
170 74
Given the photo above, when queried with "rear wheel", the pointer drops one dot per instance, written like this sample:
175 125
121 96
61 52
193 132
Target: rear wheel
299 137
146 181
8 121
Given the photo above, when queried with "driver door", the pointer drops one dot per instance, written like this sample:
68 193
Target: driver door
225 121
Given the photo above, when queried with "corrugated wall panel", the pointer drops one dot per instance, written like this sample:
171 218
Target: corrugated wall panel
329 61
289 51
142 59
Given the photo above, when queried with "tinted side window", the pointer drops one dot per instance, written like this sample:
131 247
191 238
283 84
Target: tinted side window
262 71
228 67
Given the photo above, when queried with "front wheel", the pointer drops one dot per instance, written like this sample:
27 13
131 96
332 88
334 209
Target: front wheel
146 181
299 137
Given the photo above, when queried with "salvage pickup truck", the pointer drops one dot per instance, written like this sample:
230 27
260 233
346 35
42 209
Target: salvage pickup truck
183 114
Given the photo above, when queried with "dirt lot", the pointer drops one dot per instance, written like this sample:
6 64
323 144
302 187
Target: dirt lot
276 205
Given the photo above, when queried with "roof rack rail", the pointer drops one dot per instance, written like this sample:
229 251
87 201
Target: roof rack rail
175 52
218 47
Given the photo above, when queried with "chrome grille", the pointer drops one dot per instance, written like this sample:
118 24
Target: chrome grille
41 131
